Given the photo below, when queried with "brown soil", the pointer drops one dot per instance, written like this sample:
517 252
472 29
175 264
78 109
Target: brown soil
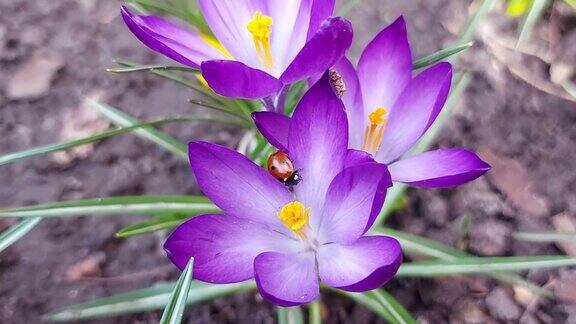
526 134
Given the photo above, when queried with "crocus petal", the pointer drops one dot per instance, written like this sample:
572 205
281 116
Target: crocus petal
415 110
224 247
322 51
289 28
355 157
169 39
385 67
237 185
287 279
352 196
439 168
228 20
352 101
321 9
317 143
236 80
365 265
274 127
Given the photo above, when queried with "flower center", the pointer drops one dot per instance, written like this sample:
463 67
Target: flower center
295 216
260 29
374 131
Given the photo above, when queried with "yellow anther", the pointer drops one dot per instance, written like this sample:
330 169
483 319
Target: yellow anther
375 130
260 25
261 28
216 44
378 116
294 216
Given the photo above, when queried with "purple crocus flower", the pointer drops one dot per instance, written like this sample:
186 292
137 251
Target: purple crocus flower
287 240
261 45
389 109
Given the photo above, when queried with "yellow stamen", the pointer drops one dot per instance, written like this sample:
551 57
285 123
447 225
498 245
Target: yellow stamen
375 130
295 216
216 44
260 28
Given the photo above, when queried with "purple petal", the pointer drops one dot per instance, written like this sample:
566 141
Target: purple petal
322 51
236 80
274 127
352 101
290 24
355 157
415 110
365 265
237 185
170 39
317 142
287 279
385 67
353 196
224 247
439 168
228 20
321 9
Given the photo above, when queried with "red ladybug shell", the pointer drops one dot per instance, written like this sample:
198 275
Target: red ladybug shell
280 166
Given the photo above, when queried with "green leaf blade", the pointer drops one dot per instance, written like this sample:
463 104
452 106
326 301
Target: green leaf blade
122 119
121 205
175 308
413 244
394 308
544 237
290 315
147 299
56 147
481 265
534 14
440 55
14 233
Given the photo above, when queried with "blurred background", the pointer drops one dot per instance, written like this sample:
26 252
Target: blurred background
514 112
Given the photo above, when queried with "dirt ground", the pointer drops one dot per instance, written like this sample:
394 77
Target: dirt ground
511 113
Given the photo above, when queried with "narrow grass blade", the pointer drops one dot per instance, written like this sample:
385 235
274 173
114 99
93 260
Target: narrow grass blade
175 308
413 244
534 14
14 233
440 55
142 300
243 106
243 116
315 312
122 119
477 265
544 237
149 205
56 147
394 308
468 34
187 82
369 302
151 67
461 82
167 221
290 315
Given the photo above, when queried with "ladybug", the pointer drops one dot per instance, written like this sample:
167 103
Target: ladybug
280 167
